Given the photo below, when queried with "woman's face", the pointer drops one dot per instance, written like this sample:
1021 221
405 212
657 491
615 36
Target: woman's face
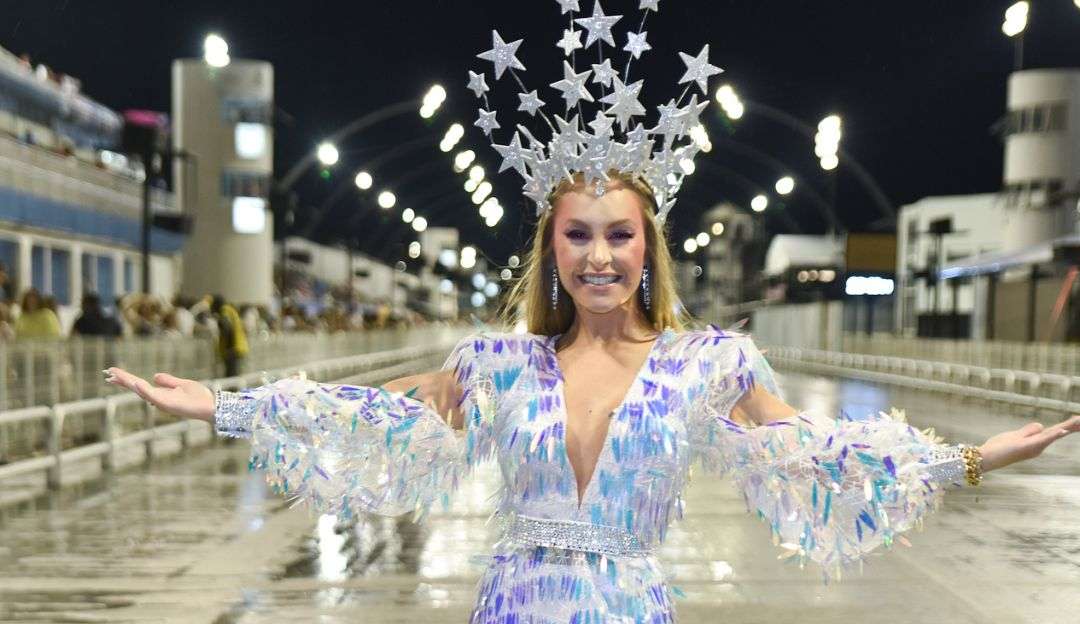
599 246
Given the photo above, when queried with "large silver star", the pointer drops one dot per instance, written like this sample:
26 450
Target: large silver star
514 155
571 40
636 44
573 86
530 102
569 6
698 68
599 26
650 5
624 101
486 121
477 83
603 73
502 54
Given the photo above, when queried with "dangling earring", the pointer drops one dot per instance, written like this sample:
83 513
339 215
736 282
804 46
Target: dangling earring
645 286
554 287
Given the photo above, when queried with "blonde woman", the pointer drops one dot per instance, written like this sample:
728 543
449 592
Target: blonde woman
595 415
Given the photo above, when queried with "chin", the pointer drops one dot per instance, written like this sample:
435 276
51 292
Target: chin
601 305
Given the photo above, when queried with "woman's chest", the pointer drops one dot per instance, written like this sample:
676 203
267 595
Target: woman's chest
639 446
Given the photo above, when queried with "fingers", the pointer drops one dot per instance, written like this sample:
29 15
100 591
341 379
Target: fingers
166 380
1031 429
134 383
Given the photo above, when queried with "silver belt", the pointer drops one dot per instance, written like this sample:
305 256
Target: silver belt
573 535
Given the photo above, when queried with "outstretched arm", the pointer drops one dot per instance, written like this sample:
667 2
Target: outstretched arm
341 448
831 490
761 407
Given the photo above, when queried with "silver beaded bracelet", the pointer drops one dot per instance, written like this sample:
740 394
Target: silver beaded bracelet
233 414
946 465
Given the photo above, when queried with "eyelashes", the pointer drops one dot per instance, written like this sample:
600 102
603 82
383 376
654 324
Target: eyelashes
580 235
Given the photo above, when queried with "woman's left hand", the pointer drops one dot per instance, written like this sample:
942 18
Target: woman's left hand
1024 443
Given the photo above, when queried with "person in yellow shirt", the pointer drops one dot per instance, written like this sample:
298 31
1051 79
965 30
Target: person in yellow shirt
35 320
232 343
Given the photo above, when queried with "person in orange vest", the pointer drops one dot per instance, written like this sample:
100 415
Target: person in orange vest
232 344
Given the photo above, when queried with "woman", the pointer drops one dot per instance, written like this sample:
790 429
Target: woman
594 416
35 319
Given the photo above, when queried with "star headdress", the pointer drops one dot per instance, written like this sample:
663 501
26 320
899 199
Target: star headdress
615 136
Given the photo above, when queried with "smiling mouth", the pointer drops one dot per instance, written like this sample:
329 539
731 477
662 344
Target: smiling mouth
599 280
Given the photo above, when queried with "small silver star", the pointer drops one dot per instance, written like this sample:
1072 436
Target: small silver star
487 122
569 6
603 73
571 40
530 102
514 155
637 135
601 124
599 26
650 5
477 83
691 113
502 54
670 122
624 101
573 86
636 44
698 68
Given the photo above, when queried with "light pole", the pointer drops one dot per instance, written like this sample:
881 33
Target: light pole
1016 19
826 146
870 185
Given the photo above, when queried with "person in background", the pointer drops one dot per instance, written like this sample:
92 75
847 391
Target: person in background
7 331
7 293
93 321
185 319
35 320
232 340
170 324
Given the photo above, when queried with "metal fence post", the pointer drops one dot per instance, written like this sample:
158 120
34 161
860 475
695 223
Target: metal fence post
108 460
148 425
28 376
53 357
56 426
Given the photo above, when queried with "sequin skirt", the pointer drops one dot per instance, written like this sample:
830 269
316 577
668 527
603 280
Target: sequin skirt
526 584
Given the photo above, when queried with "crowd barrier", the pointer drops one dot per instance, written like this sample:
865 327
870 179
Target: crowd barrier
103 427
1042 357
47 372
1038 390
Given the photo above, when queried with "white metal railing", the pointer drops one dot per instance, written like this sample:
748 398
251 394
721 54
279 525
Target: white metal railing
1062 359
46 372
99 428
1039 390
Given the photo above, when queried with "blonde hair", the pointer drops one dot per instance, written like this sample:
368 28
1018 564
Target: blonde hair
530 297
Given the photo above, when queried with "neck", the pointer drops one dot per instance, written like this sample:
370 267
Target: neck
624 323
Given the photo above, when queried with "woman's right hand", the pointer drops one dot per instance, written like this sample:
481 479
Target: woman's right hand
186 398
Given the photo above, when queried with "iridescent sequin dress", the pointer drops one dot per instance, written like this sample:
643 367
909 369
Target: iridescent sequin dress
830 490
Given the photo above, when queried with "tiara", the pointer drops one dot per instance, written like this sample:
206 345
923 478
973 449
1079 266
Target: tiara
615 139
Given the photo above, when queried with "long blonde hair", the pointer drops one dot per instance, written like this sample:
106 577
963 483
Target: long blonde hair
530 297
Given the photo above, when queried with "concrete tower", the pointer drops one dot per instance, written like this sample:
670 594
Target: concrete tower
223 117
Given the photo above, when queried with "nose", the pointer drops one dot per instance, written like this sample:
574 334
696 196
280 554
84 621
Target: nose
599 252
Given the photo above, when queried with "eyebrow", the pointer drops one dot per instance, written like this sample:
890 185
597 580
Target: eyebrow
579 223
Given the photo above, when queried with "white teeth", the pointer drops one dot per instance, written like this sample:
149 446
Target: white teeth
597 280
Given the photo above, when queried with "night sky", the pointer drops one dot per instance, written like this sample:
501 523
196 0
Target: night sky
918 83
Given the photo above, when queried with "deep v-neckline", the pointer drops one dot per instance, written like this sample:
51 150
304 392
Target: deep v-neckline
565 413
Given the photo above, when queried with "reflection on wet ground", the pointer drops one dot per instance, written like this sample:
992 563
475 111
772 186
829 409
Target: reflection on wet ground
197 539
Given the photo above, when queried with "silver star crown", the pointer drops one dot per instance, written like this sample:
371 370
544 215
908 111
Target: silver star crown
615 138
